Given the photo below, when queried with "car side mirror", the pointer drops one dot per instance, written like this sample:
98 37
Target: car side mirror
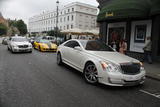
78 48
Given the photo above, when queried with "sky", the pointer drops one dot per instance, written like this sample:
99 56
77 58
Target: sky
23 9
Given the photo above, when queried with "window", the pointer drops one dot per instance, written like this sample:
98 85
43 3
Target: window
140 33
72 9
61 20
64 19
71 26
68 18
68 10
67 26
72 17
71 44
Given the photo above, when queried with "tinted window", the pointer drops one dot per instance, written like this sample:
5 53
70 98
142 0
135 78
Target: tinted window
71 44
95 46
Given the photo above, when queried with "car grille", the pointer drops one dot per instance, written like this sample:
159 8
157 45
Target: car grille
23 46
131 69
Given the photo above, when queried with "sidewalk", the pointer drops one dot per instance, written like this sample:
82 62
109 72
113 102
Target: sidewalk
152 70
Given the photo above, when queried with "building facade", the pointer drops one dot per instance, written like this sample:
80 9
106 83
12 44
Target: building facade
132 20
74 15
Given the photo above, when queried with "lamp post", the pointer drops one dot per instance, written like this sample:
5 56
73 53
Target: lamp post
57 3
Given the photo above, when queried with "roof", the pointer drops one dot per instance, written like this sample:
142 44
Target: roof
116 9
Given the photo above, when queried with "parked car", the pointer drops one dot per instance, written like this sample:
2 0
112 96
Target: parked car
100 63
45 45
31 40
5 41
19 44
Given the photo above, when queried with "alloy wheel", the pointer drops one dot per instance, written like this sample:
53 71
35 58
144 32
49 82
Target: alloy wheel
90 74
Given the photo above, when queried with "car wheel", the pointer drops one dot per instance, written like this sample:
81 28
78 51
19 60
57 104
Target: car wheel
90 73
12 50
8 48
59 59
39 48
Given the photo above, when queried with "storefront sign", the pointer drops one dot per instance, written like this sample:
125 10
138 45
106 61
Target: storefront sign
109 14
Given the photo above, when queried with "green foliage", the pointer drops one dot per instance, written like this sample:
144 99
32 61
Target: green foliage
20 25
3 29
54 33
51 33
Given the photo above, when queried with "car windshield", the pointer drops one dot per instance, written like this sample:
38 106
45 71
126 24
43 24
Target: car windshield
95 46
19 39
44 41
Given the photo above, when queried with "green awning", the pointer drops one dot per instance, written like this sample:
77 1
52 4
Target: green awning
125 9
155 7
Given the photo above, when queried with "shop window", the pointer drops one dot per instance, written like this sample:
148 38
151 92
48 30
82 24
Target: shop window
140 33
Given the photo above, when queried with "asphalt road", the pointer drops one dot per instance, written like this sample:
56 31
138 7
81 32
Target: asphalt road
35 80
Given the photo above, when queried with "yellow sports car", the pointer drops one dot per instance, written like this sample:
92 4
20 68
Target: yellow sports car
45 45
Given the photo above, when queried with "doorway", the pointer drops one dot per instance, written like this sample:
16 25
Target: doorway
116 32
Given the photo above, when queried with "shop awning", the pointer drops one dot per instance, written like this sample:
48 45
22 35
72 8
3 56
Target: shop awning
125 9
155 7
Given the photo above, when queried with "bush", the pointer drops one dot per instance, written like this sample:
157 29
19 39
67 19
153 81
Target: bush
3 29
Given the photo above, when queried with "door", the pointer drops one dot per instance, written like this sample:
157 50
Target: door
115 36
116 32
76 56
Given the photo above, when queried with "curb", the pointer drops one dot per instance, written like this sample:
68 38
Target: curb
153 77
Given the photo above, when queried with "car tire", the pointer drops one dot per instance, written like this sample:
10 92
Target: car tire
59 59
8 48
90 73
12 50
39 48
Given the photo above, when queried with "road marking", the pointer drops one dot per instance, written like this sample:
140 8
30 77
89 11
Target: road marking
157 95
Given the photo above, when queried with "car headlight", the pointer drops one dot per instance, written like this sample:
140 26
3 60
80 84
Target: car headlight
108 66
142 66
30 46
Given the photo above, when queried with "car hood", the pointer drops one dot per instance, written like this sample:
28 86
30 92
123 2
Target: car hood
21 43
113 57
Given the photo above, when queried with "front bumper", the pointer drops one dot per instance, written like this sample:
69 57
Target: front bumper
119 79
49 49
22 49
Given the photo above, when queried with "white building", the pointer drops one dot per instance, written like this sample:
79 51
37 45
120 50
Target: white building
74 15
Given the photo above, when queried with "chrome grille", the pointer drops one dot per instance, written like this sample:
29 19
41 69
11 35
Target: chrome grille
131 68
23 46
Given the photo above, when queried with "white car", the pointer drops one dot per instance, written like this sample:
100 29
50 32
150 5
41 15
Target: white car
19 44
100 63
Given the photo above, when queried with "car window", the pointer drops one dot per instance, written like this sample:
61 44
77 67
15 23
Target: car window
95 46
71 44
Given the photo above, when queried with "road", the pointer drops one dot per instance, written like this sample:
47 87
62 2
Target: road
35 80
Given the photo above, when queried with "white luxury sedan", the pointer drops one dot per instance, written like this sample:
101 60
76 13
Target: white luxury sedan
19 44
99 63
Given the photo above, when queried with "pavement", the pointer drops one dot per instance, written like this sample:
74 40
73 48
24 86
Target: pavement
153 70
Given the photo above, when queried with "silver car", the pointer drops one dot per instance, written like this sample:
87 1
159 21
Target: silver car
19 44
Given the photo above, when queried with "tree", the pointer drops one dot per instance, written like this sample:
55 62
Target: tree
51 33
21 26
3 29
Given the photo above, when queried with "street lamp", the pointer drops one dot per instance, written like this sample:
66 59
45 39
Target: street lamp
57 3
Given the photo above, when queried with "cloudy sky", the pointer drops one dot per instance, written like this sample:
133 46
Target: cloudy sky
23 9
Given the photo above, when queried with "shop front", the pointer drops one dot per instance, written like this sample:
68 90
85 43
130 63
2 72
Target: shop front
133 21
